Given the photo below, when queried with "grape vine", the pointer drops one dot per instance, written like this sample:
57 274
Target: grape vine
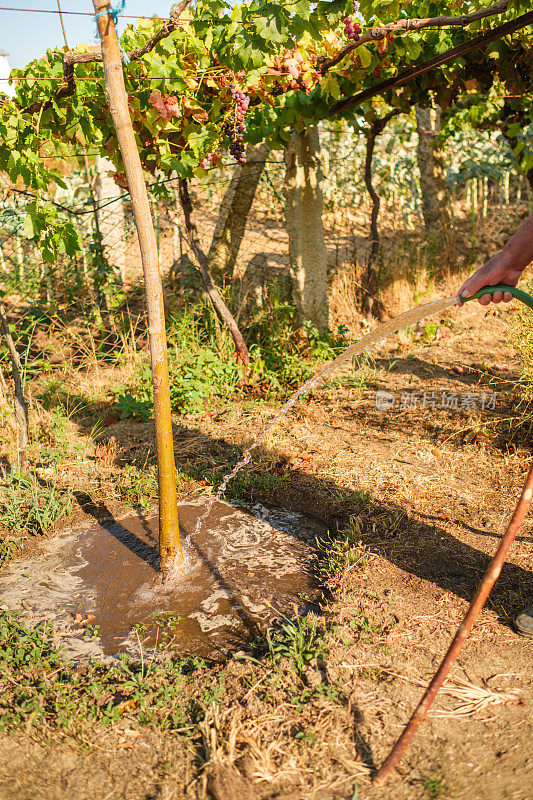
227 75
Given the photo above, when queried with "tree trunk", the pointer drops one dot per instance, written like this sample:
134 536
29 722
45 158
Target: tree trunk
19 401
303 217
110 214
214 295
509 117
435 206
234 210
370 278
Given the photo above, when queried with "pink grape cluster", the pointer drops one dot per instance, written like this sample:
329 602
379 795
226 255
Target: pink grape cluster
235 125
352 29
211 159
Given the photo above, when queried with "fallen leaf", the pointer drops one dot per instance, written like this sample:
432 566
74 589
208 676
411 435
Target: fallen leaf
123 744
127 705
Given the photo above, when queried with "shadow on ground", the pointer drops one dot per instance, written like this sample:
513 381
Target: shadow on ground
407 539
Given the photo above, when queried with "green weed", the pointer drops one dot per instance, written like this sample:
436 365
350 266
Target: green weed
364 373
195 378
341 552
306 735
167 625
366 628
9 547
430 332
434 786
130 406
201 359
246 482
299 641
138 486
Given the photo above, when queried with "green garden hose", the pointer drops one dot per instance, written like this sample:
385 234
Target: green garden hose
524 297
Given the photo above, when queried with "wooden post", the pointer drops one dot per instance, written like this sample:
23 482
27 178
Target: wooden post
62 23
19 401
170 550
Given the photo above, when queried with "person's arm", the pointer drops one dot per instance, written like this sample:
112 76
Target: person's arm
505 267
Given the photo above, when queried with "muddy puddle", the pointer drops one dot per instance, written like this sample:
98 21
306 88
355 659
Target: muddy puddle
101 590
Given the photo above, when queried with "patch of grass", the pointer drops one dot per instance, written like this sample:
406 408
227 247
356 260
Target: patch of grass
366 628
56 396
248 480
521 337
434 786
29 507
138 485
341 551
53 440
132 407
9 547
202 367
364 373
40 688
429 332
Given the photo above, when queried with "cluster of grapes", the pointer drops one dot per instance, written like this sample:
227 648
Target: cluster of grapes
235 126
352 29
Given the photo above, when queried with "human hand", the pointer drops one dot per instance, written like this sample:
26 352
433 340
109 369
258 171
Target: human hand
496 270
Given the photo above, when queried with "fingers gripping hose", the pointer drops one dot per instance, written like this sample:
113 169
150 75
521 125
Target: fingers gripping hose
519 294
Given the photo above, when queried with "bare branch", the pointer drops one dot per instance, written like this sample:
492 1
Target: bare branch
209 285
405 25
168 28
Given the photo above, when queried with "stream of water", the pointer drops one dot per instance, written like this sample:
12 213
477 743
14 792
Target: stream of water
368 340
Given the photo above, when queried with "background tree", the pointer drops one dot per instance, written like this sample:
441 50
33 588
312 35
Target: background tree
303 217
435 201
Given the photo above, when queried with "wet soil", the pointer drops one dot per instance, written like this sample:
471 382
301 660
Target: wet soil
102 588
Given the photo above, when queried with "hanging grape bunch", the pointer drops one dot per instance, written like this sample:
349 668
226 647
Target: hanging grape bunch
352 29
235 126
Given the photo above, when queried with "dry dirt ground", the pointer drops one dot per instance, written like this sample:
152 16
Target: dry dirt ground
415 499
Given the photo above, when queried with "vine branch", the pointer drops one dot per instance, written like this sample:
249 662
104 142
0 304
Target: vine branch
214 295
438 61
405 25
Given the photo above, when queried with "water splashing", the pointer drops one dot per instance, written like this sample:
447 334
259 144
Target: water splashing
381 332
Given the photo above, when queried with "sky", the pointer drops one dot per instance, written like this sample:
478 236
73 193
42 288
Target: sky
27 35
